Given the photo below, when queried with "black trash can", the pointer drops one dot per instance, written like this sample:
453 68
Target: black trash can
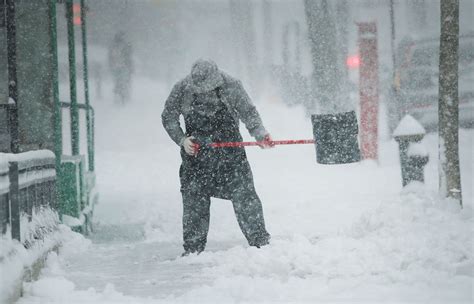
336 137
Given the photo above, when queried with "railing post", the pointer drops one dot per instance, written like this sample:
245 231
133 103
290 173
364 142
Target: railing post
53 190
4 212
12 77
72 78
90 149
4 198
14 201
58 137
93 135
30 196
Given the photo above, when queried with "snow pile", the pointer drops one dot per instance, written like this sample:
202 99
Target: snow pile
14 257
409 126
340 233
416 238
420 233
43 221
54 288
61 290
71 221
37 235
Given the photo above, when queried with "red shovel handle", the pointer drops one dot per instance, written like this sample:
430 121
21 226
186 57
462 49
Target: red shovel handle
257 143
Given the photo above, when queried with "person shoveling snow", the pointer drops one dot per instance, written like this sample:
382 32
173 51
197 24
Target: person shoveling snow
212 104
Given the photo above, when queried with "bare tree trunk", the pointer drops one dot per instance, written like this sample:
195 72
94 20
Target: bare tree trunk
449 171
392 36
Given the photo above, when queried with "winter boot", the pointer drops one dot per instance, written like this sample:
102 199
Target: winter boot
188 252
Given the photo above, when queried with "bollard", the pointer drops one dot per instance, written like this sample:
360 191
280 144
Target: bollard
413 155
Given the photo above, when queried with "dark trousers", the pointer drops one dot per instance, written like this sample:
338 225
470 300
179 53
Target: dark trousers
247 208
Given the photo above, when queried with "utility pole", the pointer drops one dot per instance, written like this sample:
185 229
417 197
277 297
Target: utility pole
392 36
394 99
448 110
72 78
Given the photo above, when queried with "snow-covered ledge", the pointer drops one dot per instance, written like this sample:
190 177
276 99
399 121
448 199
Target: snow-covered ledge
39 235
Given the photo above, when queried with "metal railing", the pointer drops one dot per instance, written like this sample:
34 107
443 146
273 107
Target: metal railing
90 130
45 181
75 182
27 185
73 105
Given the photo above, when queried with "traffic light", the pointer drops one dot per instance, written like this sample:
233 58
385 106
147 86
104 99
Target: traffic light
353 61
76 10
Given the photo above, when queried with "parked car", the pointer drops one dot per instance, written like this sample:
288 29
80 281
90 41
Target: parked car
415 89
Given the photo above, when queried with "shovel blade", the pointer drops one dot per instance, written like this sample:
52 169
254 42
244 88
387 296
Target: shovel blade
336 137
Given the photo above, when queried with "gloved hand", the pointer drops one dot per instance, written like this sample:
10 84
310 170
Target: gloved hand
189 146
266 142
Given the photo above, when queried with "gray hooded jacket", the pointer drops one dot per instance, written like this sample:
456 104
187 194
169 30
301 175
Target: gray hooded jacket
205 77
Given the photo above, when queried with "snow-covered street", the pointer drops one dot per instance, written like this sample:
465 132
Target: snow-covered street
341 132
343 233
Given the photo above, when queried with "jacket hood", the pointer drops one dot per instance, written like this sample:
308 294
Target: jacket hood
205 76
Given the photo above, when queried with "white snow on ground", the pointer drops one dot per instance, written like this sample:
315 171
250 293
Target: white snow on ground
14 258
345 233
39 233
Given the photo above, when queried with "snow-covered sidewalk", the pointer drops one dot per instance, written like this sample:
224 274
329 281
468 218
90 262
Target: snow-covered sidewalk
346 233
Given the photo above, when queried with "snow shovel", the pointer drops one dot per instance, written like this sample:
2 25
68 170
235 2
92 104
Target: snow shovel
335 138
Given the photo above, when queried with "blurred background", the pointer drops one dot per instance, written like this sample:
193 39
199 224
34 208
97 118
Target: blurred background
265 44
291 52
295 58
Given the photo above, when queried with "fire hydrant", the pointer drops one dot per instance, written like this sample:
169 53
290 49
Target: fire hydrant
413 154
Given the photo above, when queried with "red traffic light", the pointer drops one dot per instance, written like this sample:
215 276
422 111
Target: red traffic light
353 61
76 10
